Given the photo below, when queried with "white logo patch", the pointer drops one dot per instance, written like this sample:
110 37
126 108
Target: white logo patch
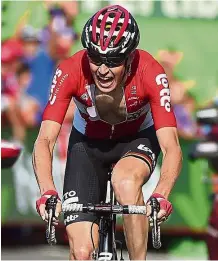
144 148
161 79
105 256
70 218
52 97
70 197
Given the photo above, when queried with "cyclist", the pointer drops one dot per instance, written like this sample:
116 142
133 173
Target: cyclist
123 116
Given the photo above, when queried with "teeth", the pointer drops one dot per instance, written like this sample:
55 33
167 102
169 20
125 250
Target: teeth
106 79
105 83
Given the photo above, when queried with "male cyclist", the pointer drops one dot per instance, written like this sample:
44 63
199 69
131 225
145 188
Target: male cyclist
123 116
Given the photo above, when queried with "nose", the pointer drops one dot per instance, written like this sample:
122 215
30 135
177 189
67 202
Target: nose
103 70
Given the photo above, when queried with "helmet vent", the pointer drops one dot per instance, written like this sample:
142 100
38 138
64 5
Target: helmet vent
112 15
113 38
98 23
108 26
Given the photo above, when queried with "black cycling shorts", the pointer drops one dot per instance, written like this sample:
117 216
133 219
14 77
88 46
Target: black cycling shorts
89 162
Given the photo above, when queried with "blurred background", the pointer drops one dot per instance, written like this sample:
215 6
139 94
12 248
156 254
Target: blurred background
182 36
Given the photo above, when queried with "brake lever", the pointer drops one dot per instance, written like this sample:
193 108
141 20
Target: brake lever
155 208
50 208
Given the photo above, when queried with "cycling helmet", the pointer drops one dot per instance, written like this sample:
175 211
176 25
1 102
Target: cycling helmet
111 33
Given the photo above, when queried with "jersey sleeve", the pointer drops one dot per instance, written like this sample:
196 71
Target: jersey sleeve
63 88
159 96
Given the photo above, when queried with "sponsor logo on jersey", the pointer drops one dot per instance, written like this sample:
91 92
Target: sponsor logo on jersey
53 92
161 79
135 103
63 79
133 90
132 98
135 115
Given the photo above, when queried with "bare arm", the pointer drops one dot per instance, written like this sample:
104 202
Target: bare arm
43 153
172 160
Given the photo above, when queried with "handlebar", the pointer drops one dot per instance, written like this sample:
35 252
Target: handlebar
118 209
104 209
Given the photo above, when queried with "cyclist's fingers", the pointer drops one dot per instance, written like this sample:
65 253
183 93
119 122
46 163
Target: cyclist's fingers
149 211
163 219
54 220
46 216
162 213
58 209
42 211
150 221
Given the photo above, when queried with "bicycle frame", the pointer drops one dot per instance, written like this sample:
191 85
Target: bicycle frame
107 225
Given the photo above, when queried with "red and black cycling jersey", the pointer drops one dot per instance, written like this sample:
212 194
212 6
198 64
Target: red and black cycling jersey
146 91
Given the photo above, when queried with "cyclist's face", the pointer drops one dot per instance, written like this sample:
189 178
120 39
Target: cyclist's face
107 79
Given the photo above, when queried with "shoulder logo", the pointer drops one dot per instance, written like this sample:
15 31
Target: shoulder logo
52 97
161 79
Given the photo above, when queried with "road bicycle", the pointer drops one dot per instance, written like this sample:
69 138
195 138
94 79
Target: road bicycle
106 213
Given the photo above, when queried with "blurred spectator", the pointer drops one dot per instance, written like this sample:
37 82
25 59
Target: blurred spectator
23 75
28 105
30 40
12 51
43 66
10 110
182 102
70 9
60 20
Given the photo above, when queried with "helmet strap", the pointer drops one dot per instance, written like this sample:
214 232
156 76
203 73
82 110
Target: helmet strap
128 65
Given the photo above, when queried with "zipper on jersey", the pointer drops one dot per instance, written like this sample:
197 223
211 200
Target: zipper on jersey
112 131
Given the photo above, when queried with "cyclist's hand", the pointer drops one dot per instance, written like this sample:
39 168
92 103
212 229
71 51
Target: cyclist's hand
166 208
40 206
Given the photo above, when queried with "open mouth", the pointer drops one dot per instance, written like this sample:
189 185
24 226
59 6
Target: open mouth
105 82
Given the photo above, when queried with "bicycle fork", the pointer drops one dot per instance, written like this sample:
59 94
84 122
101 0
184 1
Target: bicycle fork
106 250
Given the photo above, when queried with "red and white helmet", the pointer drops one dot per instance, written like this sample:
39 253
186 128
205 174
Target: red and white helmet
112 32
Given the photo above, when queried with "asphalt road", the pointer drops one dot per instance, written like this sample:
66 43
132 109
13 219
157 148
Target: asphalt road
44 252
